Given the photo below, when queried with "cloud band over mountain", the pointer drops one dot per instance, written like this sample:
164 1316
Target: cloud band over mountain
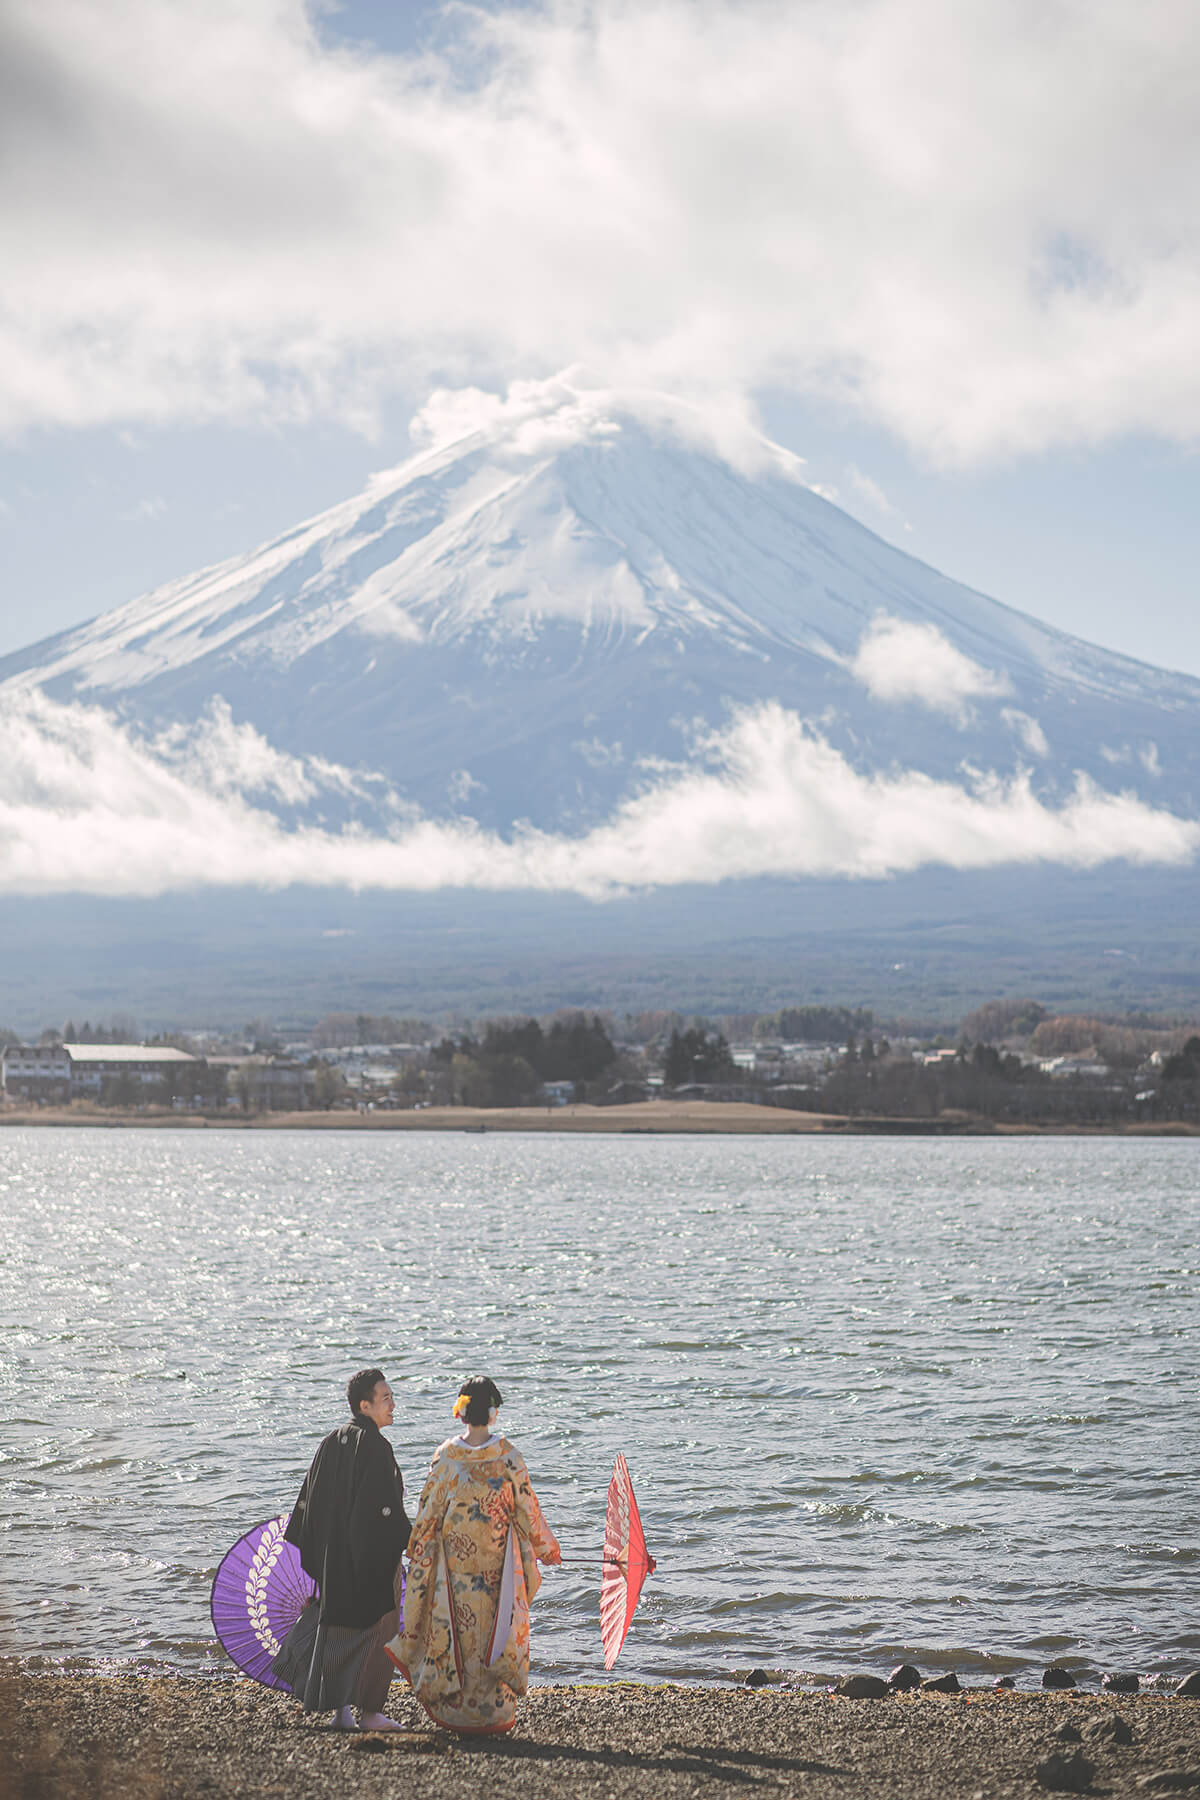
88 806
217 212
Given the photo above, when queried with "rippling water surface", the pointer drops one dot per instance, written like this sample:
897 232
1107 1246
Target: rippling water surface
880 1398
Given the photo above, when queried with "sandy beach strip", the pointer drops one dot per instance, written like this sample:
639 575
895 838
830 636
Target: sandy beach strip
645 1117
70 1737
649 1116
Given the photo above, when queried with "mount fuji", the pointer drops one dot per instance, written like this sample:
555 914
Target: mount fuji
583 643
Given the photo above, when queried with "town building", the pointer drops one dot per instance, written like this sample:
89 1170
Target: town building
54 1073
265 1083
40 1072
131 1072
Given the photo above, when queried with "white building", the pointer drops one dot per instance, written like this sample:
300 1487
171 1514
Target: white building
56 1072
144 1065
36 1072
1062 1068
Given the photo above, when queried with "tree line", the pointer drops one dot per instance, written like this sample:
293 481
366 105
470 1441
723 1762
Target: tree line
1147 1067
996 1084
512 1060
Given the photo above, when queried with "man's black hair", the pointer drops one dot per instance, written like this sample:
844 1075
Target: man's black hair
362 1386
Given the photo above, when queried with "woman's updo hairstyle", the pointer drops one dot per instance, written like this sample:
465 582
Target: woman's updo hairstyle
481 1395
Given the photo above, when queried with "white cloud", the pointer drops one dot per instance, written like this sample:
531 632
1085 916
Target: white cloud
868 489
221 757
86 807
1146 754
152 507
598 755
535 418
461 785
900 660
977 224
1027 729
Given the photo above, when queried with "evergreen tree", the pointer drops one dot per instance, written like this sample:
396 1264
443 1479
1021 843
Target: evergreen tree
695 1055
1185 1066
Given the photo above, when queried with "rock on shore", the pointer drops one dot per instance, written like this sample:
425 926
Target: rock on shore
191 1738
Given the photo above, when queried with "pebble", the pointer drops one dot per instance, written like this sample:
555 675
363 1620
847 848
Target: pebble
904 1677
862 1687
1066 1774
1110 1729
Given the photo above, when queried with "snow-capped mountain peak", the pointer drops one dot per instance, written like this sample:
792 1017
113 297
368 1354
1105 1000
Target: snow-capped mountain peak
570 586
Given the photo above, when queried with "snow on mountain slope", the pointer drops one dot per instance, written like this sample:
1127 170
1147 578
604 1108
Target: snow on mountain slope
588 602
626 532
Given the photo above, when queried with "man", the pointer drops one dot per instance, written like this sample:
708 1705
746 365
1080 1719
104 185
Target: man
351 1530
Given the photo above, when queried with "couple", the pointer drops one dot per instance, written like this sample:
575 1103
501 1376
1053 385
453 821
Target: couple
473 1549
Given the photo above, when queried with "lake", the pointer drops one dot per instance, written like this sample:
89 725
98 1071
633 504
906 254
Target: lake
882 1399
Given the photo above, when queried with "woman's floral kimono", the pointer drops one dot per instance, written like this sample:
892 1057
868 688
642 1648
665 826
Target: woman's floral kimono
473 1556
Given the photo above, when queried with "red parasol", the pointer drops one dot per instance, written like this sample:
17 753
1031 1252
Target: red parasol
626 1562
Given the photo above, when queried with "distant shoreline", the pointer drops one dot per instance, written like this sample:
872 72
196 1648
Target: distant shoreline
651 1118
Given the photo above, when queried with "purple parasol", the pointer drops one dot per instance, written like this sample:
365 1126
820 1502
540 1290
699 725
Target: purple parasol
258 1593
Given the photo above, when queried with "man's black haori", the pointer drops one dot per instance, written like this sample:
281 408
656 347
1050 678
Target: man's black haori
349 1523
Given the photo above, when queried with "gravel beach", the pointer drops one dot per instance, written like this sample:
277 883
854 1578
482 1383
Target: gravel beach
156 1738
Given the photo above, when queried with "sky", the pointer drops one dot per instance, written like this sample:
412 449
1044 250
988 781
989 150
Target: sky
949 255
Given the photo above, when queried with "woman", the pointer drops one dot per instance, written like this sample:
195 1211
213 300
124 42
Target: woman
473 1569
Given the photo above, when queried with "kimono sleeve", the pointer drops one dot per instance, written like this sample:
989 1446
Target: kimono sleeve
428 1522
379 1525
295 1525
303 1528
530 1522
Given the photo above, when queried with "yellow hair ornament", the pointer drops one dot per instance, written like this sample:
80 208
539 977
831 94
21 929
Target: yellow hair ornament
461 1405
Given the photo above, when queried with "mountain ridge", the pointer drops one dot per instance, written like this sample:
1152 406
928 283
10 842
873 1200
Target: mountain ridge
542 623
371 597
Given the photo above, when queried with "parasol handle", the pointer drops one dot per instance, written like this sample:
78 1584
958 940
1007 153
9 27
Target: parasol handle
577 1562
608 1562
